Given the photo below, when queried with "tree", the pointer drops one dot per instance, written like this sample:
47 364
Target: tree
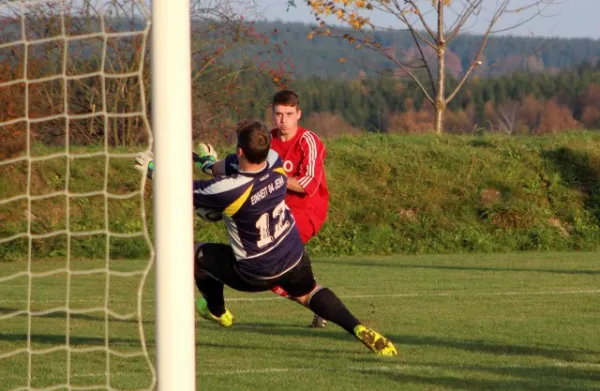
589 101
221 30
432 24
556 118
508 114
531 112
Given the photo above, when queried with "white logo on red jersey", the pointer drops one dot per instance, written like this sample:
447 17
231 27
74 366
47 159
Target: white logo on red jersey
288 166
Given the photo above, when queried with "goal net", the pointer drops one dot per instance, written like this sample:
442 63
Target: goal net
78 235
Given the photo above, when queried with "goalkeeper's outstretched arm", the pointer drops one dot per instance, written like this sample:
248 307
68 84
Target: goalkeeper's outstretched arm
209 167
206 160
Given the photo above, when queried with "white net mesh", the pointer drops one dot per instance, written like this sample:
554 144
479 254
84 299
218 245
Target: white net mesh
75 250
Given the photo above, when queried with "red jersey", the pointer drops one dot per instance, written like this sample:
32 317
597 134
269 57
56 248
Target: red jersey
303 158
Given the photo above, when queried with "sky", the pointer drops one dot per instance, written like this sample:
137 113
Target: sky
566 18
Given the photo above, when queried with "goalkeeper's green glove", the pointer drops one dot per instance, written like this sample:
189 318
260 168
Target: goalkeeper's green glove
205 158
144 162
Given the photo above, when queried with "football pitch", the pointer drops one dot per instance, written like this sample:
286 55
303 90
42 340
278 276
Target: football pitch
528 321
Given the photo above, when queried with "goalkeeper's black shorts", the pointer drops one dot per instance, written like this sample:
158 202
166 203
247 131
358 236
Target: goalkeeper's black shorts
218 261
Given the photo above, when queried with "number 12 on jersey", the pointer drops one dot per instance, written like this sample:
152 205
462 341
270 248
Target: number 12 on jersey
264 225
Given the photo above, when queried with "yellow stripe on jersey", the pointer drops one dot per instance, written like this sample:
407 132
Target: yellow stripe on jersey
237 204
280 170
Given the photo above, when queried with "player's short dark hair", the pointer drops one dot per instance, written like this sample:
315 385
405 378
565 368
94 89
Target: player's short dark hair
254 138
286 98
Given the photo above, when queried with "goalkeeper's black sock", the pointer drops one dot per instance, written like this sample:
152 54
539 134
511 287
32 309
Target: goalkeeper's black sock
327 305
212 290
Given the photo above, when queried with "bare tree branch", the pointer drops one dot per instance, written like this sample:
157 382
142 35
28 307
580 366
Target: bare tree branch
415 16
470 8
431 33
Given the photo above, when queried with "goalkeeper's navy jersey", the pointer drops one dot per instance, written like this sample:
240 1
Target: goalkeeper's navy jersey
260 226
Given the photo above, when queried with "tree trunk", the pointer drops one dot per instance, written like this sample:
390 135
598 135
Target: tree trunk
440 100
439 118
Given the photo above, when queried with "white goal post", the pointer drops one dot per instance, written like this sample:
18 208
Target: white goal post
171 123
75 246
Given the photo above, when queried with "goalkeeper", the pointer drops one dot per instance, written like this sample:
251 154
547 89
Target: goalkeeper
265 248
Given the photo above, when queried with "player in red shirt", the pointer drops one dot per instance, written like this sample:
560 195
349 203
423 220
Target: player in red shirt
303 155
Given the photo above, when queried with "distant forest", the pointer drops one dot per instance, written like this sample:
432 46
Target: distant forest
321 55
520 102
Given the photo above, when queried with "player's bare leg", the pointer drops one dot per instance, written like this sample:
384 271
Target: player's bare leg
326 304
317 323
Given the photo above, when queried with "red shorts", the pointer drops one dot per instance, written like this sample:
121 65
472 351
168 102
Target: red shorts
305 226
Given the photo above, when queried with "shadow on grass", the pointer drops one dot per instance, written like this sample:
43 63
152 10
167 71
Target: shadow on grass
297 350
534 376
59 339
465 382
451 375
578 172
476 346
298 330
63 315
367 263
482 346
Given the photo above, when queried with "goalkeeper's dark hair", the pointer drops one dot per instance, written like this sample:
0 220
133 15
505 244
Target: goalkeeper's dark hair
286 98
254 138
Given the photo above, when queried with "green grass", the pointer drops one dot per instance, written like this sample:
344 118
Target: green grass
423 194
390 194
526 321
